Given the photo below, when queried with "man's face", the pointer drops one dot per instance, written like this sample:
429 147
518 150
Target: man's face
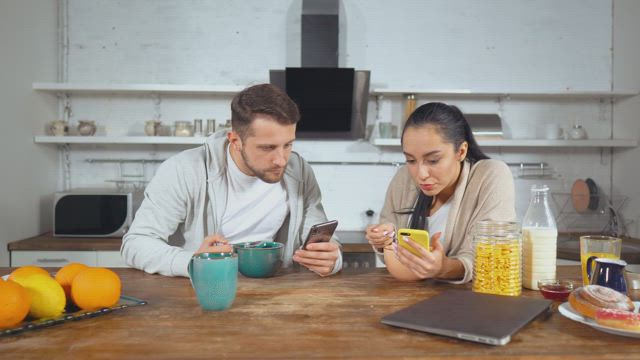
266 148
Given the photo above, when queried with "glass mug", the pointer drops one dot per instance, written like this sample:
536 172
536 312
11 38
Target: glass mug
598 246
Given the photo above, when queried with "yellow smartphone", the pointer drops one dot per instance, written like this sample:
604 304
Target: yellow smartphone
420 237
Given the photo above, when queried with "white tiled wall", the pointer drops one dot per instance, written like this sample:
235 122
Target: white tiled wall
490 45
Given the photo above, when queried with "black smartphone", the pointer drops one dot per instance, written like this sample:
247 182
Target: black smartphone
320 233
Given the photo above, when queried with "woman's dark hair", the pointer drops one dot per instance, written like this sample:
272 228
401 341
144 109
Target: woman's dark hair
451 124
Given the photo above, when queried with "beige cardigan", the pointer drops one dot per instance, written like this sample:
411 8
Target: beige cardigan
485 191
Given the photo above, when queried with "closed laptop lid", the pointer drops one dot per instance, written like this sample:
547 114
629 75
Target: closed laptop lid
463 314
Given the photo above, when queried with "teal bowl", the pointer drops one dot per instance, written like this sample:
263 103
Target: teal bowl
260 261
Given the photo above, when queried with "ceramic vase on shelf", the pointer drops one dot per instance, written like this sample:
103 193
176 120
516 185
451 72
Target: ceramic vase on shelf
58 128
86 127
577 133
152 127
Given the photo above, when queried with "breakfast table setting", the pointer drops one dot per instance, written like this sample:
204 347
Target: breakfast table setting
297 314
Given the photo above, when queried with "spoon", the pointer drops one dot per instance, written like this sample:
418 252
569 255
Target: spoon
253 244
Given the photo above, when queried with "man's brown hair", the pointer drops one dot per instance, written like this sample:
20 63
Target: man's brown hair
264 99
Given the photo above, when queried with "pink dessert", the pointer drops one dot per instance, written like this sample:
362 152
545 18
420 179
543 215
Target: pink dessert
619 319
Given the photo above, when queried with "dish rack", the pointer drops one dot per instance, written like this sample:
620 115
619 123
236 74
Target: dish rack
606 218
131 172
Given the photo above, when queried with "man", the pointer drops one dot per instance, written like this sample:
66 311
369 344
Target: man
244 185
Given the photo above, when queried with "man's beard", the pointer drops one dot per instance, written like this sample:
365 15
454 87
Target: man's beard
269 175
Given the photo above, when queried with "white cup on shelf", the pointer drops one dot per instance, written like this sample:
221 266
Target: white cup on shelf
553 132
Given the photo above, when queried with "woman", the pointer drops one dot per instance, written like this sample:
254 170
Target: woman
446 186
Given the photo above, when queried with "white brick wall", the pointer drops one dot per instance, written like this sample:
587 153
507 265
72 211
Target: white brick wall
490 45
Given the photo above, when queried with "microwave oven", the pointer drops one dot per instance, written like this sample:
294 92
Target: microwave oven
94 213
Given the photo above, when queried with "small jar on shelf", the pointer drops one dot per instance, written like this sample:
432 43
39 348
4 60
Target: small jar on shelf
183 129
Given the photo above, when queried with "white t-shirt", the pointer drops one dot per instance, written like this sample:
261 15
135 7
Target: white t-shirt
255 209
438 221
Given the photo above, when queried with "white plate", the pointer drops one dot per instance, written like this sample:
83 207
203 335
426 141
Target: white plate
566 310
5 277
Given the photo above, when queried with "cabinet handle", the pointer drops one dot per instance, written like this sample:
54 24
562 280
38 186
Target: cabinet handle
52 260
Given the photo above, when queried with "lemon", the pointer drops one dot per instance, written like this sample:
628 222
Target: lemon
47 296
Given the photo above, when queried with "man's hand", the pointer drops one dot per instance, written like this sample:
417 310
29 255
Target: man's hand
214 244
319 257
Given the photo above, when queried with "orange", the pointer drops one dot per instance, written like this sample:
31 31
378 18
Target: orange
14 304
95 288
24 271
65 276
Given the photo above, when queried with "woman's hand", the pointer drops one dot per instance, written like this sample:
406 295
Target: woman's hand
428 264
380 235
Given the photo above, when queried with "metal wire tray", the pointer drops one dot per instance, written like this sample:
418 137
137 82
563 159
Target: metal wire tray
72 314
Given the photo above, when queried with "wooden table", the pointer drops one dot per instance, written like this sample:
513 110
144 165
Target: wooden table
295 315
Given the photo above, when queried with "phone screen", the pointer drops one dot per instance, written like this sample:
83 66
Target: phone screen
320 233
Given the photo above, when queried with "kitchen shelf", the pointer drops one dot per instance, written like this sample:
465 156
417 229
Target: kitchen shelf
233 89
137 88
513 94
158 140
621 143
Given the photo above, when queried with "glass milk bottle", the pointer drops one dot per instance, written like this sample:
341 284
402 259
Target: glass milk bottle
540 236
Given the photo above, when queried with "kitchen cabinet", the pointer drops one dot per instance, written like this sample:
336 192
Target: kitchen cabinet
110 259
48 251
52 258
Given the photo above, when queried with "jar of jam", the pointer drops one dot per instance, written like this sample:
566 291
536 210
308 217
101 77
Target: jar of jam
497 252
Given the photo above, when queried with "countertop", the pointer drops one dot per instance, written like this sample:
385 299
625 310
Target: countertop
354 241
295 315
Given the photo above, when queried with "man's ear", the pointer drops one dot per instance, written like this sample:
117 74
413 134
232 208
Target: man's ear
234 139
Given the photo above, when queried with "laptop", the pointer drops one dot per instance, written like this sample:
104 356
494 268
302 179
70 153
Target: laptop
463 314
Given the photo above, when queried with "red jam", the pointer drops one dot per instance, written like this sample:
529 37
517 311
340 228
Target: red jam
555 292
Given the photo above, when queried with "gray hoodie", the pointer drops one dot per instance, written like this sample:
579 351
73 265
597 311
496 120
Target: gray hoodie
188 195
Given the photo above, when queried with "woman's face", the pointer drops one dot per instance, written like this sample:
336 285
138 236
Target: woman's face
433 163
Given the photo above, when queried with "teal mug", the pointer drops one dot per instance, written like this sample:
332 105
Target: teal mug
214 277
260 261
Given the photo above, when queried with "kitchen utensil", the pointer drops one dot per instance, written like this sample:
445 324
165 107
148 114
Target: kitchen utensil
567 311
197 127
214 277
183 129
58 128
597 246
211 126
593 194
86 127
557 290
260 261
632 277
497 251
577 133
71 314
553 132
580 195
607 272
253 244
152 127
